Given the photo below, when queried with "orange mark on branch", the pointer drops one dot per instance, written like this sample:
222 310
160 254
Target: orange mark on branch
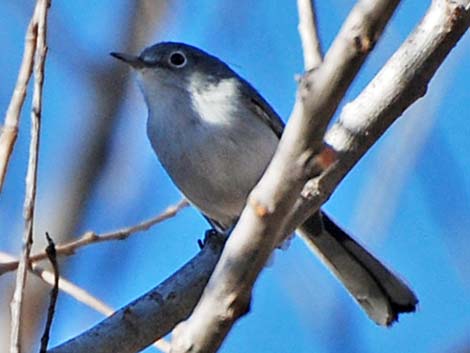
326 157
456 16
363 44
260 209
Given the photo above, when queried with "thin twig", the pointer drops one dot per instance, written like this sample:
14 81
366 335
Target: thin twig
9 130
89 238
80 182
52 256
40 23
309 34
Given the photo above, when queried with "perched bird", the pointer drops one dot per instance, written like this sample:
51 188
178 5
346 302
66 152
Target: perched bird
215 135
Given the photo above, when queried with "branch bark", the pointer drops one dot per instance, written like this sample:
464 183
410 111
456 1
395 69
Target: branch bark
309 34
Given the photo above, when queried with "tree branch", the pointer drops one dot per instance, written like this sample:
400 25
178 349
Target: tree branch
92 238
9 130
402 80
309 34
40 23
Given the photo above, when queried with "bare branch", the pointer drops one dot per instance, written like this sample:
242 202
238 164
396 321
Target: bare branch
309 34
40 22
92 238
260 226
154 314
9 130
402 81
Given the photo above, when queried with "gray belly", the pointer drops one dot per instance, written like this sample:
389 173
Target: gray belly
216 167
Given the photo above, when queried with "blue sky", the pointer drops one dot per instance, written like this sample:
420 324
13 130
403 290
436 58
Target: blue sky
408 199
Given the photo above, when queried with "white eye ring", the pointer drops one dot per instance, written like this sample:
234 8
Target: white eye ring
177 59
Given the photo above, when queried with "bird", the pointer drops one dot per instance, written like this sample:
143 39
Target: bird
215 135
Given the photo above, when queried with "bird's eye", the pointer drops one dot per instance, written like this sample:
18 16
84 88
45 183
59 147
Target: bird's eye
177 59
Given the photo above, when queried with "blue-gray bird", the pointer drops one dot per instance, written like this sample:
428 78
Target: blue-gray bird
215 135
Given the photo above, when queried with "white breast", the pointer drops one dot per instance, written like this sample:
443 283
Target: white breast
212 144
215 102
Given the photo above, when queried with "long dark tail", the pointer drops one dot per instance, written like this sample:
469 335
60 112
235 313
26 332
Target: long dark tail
380 293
